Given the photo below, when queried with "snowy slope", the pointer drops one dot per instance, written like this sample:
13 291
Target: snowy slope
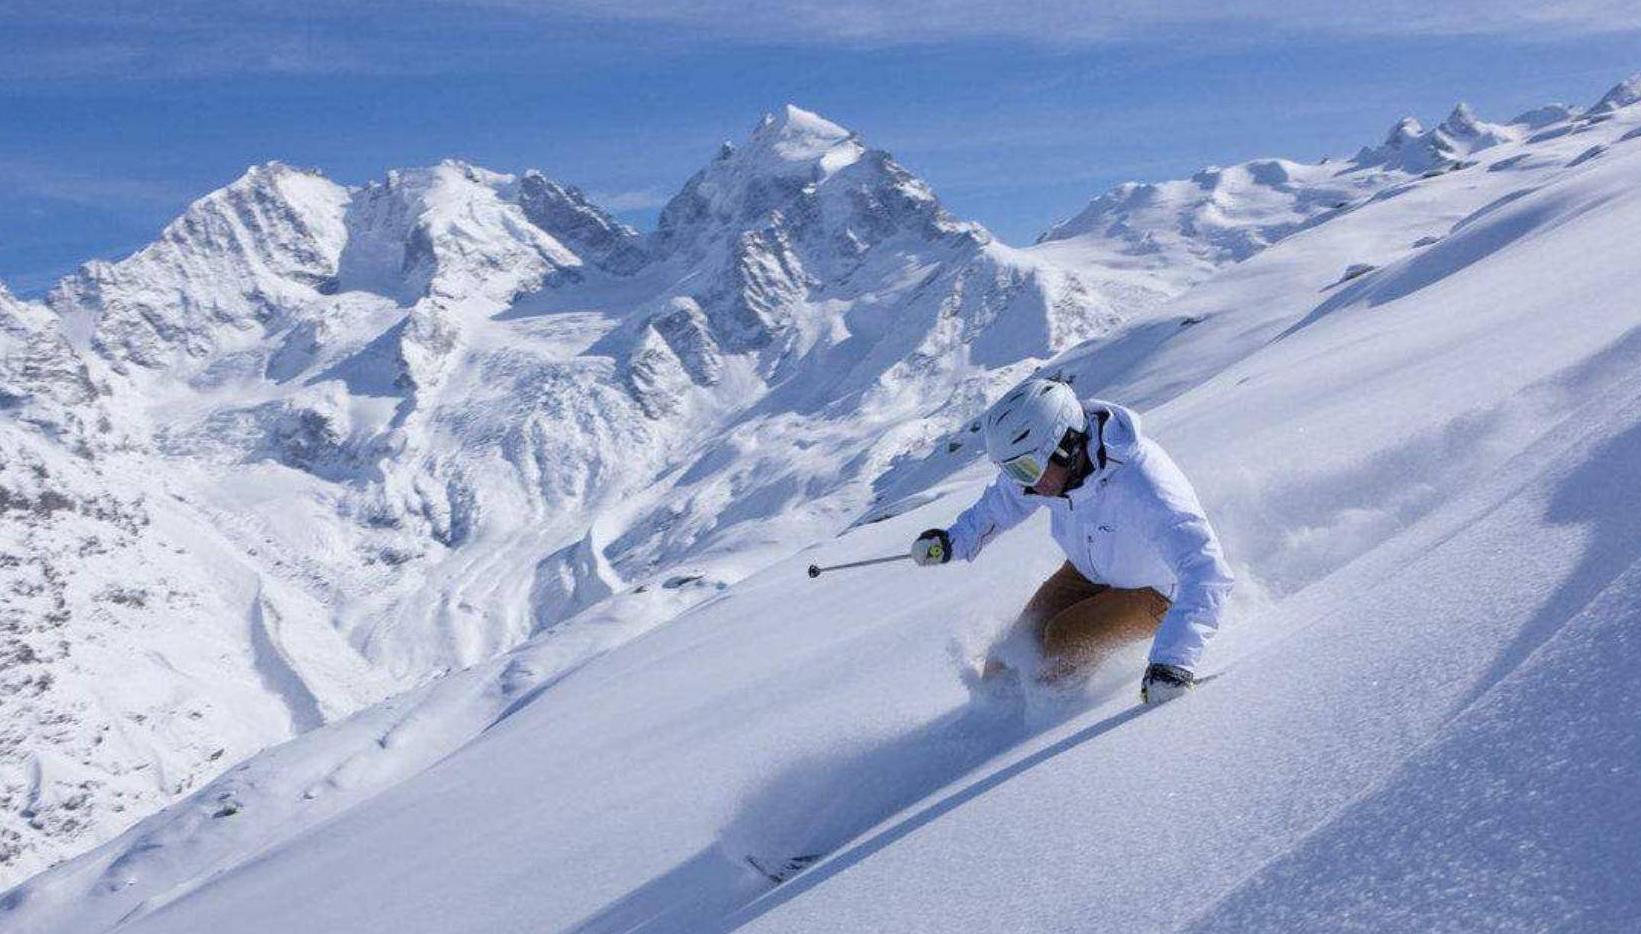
140 650
1422 475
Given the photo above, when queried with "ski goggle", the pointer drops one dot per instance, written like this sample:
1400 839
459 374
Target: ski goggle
1023 469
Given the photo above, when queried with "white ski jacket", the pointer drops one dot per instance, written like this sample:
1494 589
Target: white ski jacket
1134 522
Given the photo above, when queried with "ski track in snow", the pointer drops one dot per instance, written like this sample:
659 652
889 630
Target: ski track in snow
277 672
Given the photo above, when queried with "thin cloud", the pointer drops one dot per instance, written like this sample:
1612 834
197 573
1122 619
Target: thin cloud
621 201
1085 21
22 179
198 38
194 38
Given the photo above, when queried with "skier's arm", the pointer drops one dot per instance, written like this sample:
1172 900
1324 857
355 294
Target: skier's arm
1000 508
1191 550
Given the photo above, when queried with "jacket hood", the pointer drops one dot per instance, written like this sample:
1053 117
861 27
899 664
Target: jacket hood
1121 432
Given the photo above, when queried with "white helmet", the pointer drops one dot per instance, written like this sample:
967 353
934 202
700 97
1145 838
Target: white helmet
1029 425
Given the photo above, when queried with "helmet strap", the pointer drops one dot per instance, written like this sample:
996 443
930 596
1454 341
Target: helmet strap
1079 455
1100 418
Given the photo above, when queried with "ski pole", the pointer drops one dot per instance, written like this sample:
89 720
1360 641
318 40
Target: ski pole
815 569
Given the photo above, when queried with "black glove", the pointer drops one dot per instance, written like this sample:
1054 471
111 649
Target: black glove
932 547
1164 683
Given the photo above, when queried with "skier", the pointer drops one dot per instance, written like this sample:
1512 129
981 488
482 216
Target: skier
1141 556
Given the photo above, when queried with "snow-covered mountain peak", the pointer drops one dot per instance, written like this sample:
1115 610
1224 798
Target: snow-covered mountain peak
783 160
477 174
1463 133
19 320
43 380
270 208
1623 94
1462 122
301 188
801 177
18 317
267 240
792 121
786 155
271 172
1540 117
1406 132
276 243
1409 147
800 138
451 230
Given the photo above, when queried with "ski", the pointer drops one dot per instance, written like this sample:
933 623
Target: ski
786 869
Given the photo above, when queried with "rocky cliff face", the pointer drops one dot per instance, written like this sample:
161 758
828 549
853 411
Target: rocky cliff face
584 227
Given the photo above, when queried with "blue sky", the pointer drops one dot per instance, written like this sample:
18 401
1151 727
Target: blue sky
113 116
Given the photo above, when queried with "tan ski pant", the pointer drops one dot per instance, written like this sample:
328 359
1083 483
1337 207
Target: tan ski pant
1078 623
